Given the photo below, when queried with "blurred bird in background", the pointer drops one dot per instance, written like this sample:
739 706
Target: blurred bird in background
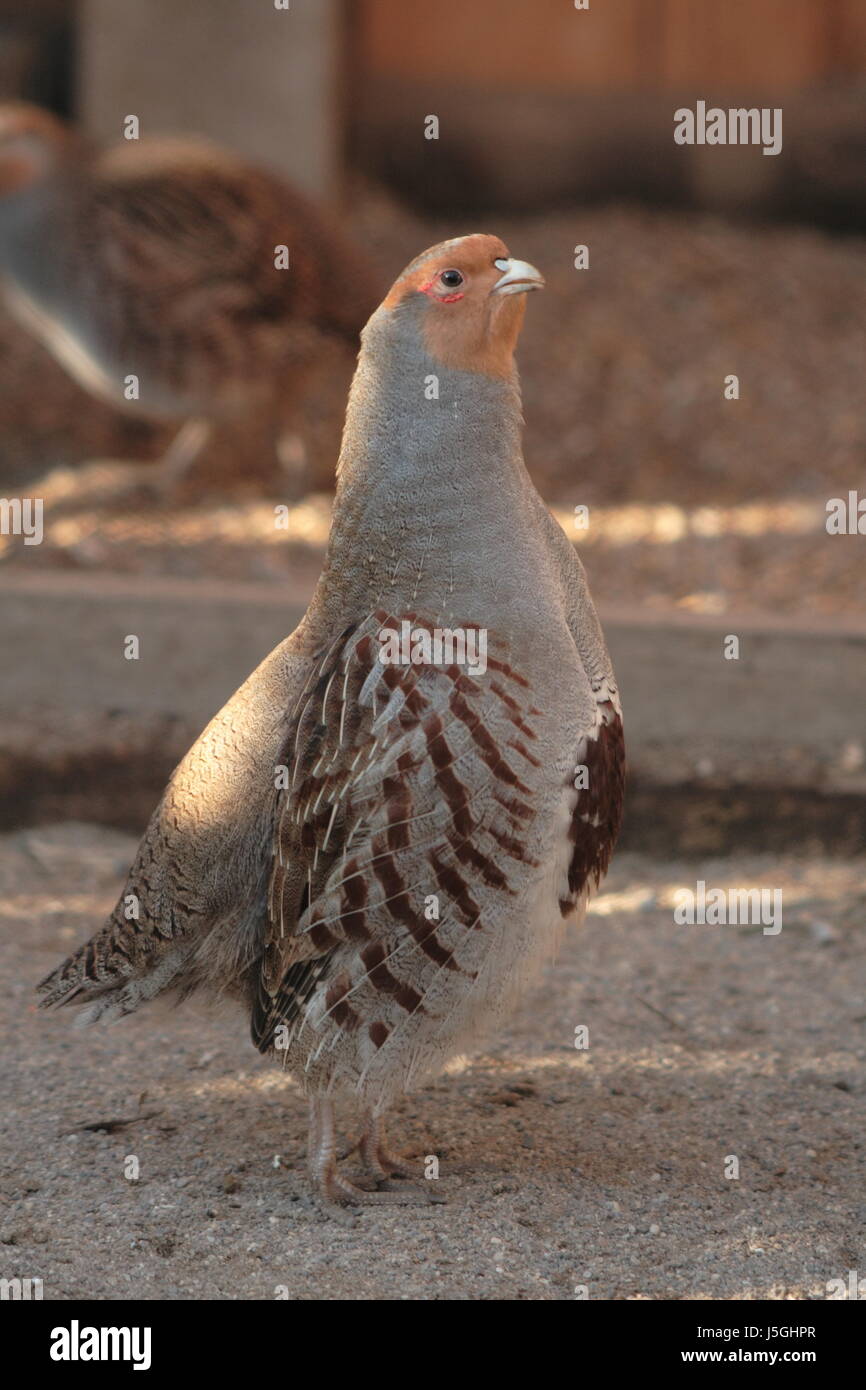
172 279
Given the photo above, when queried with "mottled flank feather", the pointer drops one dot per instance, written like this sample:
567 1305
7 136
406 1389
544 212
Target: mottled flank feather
386 808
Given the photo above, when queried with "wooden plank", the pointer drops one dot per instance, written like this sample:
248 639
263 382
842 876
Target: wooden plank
846 21
547 43
767 45
762 44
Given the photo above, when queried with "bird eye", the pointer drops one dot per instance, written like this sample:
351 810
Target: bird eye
451 278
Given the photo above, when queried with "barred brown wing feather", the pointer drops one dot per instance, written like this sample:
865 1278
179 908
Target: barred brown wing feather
597 815
406 781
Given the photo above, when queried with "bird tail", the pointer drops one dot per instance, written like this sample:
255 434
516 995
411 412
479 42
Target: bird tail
101 978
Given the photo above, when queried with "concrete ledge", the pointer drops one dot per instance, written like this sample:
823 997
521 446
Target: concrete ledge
86 733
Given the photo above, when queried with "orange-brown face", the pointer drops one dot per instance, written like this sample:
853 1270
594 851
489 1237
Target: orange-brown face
30 140
475 298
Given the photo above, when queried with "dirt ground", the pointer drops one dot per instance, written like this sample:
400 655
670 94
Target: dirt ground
561 1170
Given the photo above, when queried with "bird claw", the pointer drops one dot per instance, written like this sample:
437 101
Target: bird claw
377 1158
413 1193
381 1164
335 1189
108 482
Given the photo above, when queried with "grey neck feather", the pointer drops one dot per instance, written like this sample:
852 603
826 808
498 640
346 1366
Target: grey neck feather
436 484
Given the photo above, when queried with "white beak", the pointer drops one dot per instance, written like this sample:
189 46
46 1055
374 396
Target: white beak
519 277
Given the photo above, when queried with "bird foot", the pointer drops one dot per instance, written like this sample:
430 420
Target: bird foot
380 1163
335 1189
107 482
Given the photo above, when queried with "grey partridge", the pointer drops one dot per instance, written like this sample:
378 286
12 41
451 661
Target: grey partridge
212 283
376 843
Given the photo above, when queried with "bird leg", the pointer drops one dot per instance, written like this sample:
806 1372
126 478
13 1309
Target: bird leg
322 1157
108 481
375 1155
181 454
292 457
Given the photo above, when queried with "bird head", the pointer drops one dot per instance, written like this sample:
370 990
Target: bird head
469 295
32 145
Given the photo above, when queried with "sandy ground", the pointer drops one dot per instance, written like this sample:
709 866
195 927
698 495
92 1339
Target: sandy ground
559 1168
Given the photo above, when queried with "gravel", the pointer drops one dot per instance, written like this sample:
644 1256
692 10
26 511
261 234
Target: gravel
562 1171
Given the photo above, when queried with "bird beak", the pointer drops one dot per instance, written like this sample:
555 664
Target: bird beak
519 277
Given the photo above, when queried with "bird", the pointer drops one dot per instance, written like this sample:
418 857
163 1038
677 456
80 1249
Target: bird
376 845
172 279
